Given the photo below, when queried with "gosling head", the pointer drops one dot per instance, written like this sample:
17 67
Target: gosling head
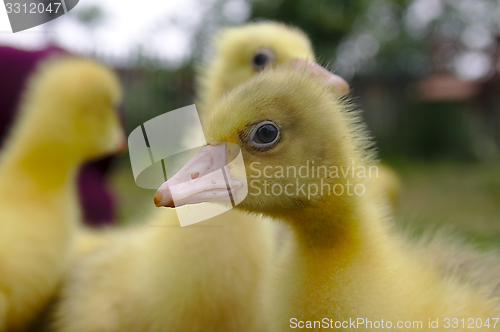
283 120
244 51
73 103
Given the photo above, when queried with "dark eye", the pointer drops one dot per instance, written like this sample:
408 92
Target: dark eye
264 134
261 58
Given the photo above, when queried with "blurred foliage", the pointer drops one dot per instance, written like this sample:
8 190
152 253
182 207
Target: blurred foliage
91 16
151 92
391 37
347 33
325 22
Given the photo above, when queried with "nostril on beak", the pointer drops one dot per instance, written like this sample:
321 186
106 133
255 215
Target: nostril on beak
195 175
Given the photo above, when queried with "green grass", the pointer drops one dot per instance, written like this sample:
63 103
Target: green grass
462 197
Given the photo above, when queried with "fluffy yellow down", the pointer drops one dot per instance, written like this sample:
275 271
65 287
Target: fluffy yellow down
67 117
342 260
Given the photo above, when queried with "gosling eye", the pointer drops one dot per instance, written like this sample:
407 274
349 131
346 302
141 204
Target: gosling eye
261 58
264 134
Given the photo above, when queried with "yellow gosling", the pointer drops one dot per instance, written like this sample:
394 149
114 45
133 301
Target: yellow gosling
342 261
67 117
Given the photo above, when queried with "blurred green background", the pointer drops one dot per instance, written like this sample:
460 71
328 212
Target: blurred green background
426 74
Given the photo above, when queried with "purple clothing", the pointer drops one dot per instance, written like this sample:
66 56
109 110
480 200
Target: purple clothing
15 68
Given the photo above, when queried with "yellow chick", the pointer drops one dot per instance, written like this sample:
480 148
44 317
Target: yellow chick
67 117
343 267
201 278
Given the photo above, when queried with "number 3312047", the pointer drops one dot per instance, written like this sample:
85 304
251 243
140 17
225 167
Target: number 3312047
31 8
470 323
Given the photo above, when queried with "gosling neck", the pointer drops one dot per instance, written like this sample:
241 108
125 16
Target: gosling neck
337 221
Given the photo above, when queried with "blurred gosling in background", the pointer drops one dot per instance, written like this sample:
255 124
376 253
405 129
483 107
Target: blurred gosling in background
67 116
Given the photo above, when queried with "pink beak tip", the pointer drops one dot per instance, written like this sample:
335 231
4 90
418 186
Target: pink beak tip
160 200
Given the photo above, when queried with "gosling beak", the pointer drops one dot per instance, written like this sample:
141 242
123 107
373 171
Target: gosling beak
335 81
205 178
